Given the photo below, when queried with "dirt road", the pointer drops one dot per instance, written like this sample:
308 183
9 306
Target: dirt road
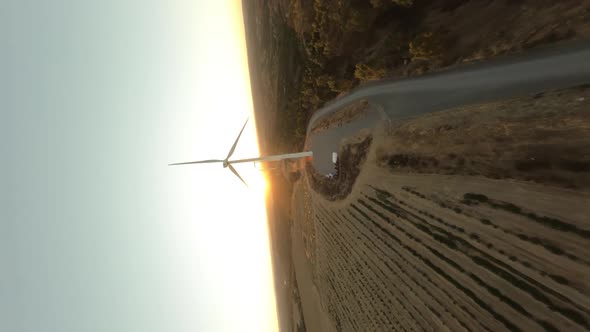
555 67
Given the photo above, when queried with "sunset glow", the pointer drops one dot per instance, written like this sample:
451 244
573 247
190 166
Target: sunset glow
216 217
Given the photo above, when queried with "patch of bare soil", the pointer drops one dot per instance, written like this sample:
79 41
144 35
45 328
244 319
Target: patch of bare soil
343 116
543 138
351 157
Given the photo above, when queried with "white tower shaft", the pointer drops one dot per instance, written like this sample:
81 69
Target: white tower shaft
277 157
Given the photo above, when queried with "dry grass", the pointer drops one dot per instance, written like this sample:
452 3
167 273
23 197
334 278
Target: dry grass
346 115
543 138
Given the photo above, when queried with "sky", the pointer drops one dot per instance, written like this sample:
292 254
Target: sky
97 233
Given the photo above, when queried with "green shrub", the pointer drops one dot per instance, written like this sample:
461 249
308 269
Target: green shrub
426 46
365 72
341 85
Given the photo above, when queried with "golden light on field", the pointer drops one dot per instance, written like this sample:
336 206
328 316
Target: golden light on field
219 227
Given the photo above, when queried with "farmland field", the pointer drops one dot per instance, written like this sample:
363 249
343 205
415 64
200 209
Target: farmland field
422 252
468 219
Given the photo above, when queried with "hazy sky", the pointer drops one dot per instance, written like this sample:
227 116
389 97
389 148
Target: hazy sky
96 232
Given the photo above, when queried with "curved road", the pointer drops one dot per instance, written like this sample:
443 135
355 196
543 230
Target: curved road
550 68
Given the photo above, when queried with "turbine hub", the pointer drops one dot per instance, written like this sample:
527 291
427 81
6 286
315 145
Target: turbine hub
225 163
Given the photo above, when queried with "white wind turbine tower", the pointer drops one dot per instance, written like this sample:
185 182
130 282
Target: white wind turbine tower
228 163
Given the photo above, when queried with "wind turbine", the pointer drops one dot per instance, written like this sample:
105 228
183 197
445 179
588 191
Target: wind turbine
228 163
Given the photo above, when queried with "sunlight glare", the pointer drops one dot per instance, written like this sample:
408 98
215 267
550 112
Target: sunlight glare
220 233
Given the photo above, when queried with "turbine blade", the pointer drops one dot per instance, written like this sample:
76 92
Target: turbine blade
198 162
231 151
238 175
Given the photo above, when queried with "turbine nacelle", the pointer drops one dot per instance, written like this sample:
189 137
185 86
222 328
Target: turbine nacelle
229 163
226 162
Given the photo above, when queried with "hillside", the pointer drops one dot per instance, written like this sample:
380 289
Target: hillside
305 53
474 218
